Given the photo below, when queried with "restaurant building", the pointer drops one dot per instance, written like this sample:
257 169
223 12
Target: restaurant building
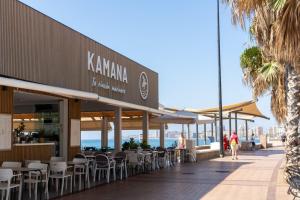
52 77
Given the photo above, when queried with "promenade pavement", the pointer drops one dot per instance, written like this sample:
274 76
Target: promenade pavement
254 176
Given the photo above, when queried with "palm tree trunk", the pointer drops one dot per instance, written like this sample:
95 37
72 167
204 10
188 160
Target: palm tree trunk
292 123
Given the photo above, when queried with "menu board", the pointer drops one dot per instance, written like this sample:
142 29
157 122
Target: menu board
75 132
5 132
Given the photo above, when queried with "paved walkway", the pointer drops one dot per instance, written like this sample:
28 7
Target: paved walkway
256 175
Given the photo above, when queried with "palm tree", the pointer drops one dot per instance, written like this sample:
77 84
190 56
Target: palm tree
287 47
275 27
265 76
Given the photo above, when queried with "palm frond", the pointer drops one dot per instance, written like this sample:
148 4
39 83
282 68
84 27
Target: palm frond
260 86
242 10
269 71
278 4
278 98
288 34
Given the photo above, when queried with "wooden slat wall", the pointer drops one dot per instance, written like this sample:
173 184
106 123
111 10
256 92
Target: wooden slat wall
74 113
6 107
6 100
34 47
21 153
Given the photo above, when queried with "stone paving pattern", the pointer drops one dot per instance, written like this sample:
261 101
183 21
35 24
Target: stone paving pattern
255 176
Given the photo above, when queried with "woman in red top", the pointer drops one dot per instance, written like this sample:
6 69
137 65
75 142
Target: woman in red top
234 143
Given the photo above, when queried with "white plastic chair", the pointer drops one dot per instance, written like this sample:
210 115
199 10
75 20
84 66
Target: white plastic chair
155 160
104 164
135 160
8 164
58 170
121 163
6 176
57 159
147 158
27 162
81 167
35 178
162 159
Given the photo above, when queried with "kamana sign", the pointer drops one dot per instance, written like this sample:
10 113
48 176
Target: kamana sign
144 85
102 66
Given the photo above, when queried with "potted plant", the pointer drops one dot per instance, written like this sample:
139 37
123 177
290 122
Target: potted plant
133 144
144 145
126 146
18 131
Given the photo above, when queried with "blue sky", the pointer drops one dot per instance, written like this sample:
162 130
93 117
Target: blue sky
175 38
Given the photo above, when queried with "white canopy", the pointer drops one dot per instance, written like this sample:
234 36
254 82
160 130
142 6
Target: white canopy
182 117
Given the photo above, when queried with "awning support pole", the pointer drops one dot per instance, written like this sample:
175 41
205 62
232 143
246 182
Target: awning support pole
236 121
205 133
246 126
189 133
162 135
216 129
212 129
229 125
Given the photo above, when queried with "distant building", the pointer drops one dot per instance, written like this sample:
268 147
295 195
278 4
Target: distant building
259 131
172 134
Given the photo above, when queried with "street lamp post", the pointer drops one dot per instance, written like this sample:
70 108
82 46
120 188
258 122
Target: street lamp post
220 84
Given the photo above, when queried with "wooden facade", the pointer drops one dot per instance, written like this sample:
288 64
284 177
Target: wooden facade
36 48
27 152
74 113
6 100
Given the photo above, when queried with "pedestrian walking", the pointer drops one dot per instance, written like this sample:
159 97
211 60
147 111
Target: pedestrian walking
234 143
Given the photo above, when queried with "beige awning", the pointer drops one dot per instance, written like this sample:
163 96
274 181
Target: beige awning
245 110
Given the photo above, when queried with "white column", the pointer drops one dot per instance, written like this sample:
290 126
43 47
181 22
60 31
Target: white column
118 129
162 135
197 134
145 126
189 131
104 132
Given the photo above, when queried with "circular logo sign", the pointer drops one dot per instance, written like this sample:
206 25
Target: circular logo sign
144 85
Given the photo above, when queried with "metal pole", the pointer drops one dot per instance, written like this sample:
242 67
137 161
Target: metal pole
220 85
216 128
246 124
235 118
189 133
205 133
229 124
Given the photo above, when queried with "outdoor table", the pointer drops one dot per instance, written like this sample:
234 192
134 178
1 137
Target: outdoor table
90 156
117 158
24 170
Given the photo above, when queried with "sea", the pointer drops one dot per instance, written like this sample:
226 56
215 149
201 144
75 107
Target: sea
153 142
